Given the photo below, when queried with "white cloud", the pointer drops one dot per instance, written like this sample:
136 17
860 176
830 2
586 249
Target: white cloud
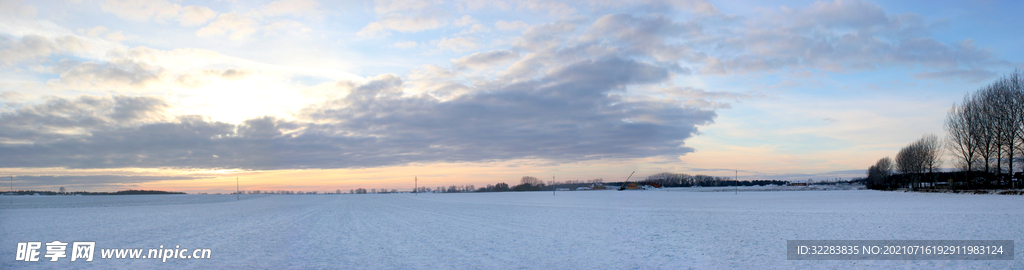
400 23
482 4
104 33
389 6
158 10
239 26
475 29
457 44
196 15
17 8
32 47
465 20
304 8
407 16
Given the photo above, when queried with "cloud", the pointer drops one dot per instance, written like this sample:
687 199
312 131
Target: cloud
475 29
643 36
99 32
835 36
484 60
32 47
407 16
701 98
703 103
553 8
544 36
109 75
845 14
205 77
480 4
431 72
971 75
690 92
570 113
389 6
400 23
239 26
465 20
457 44
298 8
158 10
59 118
474 25
92 182
196 15
513 25
17 9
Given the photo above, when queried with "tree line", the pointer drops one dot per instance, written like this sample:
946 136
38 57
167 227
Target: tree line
984 138
667 179
122 192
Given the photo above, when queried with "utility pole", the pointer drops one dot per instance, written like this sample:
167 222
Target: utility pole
553 185
237 198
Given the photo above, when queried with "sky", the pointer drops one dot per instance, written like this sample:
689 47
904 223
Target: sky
326 95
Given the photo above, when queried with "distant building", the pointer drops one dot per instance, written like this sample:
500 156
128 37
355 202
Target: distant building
632 186
798 183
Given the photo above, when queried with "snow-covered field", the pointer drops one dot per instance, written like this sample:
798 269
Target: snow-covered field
660 229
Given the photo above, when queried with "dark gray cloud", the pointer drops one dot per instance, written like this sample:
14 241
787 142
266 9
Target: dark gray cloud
570 113
89 180
59 118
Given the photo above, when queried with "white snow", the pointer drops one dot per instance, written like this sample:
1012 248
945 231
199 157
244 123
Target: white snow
661 229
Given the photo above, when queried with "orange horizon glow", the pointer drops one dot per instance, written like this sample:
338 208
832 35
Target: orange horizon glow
431 175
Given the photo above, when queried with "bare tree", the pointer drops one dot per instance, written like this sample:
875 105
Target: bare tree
878 174
932 154
530 180
916 158
981 127
959 137
1007 97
